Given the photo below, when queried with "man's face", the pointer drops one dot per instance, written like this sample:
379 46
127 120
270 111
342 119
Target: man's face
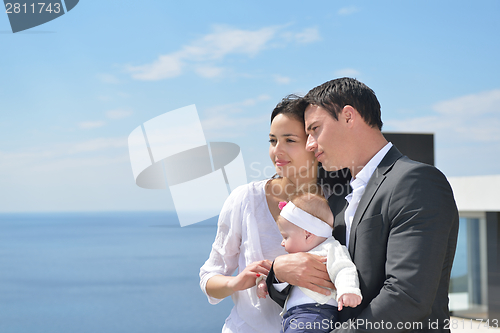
326 138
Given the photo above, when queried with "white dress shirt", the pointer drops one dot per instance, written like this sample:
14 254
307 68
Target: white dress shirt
358 185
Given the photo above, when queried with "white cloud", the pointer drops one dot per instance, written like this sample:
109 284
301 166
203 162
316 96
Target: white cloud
110 114
347 72
105 98
108 78
226 41
487 102
34 154
282 79
237 107
348 10
165 67
201 54
225 121
117 95
253 101
118 114
309 35
233 125
50 155
471 118
97 145
466 132
91 124
209 71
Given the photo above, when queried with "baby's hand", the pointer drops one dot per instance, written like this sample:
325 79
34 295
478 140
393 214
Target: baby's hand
262 288
351 300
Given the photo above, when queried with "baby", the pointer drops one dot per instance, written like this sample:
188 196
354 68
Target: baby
305 223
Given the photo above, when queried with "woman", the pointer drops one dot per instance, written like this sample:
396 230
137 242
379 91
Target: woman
248 238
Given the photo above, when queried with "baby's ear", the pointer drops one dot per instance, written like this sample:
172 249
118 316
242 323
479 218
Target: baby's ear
310 237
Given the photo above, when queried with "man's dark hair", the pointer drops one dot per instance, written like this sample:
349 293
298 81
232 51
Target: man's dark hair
335 94
292 106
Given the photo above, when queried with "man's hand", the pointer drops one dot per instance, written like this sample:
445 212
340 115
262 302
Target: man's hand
303 270
351 300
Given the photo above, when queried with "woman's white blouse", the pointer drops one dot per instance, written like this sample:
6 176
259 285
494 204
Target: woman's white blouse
246 233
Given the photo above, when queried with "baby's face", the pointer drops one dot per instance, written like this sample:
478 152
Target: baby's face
294 238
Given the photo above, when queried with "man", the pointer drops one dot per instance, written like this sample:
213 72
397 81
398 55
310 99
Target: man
399 223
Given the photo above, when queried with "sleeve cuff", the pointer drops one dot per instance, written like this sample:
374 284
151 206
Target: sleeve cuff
280 286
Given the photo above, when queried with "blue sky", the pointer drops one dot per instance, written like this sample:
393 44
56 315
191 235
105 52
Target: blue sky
73 89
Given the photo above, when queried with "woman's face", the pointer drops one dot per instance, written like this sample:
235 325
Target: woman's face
288 148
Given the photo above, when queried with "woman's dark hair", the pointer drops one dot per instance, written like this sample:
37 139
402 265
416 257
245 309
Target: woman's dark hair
292 106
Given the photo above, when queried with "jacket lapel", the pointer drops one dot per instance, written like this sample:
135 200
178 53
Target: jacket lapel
338 182
338 209
374 183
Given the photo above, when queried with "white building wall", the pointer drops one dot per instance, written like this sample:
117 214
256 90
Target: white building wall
477 194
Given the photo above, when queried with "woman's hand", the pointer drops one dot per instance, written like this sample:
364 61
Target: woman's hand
303 270
246 278
220 286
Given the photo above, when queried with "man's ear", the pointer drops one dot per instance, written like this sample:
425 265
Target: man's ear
349 114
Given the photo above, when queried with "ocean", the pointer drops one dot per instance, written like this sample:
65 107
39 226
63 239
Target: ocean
120 272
